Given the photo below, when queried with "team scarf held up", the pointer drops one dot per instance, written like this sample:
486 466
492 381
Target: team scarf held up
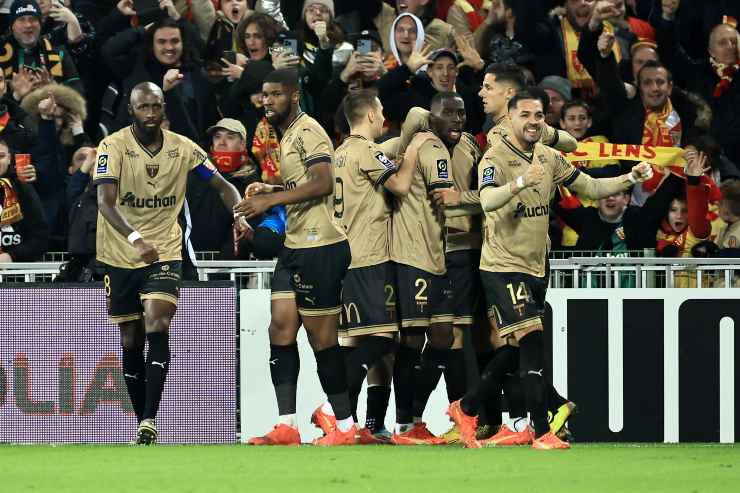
266 150
472 9
11 207
577 73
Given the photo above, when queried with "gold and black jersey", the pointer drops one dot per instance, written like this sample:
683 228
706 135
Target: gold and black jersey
310 224
362 209
516 238
416 228
464 232
151 192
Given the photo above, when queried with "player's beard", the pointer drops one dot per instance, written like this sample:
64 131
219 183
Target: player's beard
146 133
279 119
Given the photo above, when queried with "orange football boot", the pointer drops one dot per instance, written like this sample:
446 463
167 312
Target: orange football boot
466 424
281 434
506 436
338 437
326 422
419 434
549 441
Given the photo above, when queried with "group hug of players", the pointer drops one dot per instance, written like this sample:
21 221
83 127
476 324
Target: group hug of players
394 251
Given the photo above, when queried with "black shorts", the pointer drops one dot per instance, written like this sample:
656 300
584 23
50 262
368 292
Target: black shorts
126 289
369 299
514 300
463 268
423 298
313 277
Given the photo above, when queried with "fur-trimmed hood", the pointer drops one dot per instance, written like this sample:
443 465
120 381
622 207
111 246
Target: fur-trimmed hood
66 97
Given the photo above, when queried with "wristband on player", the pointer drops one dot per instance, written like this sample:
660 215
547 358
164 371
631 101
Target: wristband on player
135 235
520 183
631 178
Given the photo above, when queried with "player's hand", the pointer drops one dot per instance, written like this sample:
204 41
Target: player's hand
146 251
642 172
696 163
259 188
243 229
171 79
534 175
445 197
5 258
253 206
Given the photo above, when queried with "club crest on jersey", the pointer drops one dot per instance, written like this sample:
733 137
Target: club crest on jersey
102 164
383 159
488 175
152 169
442 169
543 159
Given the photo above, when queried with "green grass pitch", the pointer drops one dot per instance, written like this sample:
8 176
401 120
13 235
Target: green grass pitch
163 469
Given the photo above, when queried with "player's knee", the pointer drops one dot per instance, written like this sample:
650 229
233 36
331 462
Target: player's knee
158 323
458 333
132 335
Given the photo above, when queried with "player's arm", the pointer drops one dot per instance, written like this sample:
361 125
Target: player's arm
320 184
455 203
597 188
399 183
107 205
494 196
558 139
230 197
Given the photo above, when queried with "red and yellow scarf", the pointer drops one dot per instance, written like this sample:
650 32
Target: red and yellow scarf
11 211
472 9
725 73
662 128
266 150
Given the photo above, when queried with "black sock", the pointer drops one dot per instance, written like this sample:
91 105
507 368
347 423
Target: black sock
426 376
554 399
157 364
134 374
483 359
403 382
360 359
284 367
488 392
531 363
377 405
333 377
515 395
455 375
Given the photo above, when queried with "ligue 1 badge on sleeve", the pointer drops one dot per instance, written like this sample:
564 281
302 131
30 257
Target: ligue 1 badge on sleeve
488 175
102 164
442 169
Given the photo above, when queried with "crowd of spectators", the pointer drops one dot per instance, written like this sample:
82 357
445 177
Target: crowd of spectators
642 72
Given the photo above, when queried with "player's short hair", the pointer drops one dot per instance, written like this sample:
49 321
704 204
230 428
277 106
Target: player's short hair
576 103
288 77
653 64
441 97
357 103
730 189
508 73
529 94
146 88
